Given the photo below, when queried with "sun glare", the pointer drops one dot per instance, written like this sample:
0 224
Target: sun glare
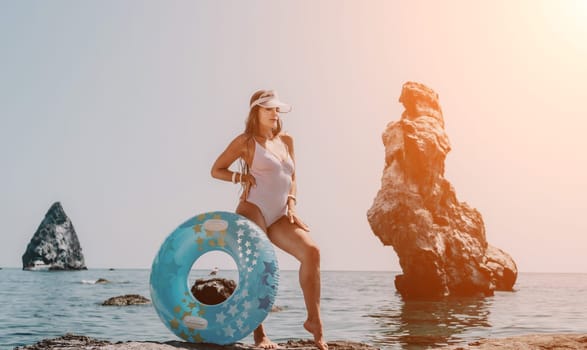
568 19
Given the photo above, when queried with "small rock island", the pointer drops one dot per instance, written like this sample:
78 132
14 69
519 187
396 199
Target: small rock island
54 245
440 241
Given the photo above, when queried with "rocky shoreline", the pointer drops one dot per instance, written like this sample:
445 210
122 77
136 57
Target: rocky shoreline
528 342
523 342
73 341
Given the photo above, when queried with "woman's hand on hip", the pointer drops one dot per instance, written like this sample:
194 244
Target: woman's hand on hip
248 181
295 219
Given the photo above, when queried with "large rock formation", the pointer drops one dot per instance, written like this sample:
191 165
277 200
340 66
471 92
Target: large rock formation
440 241
55 244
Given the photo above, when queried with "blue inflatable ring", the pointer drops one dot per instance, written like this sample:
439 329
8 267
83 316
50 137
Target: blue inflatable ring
250 303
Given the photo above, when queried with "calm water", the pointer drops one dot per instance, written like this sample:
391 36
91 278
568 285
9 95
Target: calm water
357 306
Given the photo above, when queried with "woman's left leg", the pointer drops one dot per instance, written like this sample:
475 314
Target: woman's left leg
253 213
297 242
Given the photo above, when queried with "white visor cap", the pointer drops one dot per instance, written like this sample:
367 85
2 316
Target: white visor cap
269 99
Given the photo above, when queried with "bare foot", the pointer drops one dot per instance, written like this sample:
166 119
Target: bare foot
265 343
316 329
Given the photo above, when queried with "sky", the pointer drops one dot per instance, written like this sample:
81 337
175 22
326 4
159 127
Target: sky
118 110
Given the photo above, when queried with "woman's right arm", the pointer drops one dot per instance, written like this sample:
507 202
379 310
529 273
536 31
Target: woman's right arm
234 151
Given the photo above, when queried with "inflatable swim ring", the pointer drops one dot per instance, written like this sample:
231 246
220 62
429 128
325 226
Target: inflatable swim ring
253 298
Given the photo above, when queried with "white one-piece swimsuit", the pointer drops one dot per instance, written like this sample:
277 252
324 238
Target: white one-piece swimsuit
273 177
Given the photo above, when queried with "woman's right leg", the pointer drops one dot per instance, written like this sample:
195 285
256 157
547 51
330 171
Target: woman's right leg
252 212
297 242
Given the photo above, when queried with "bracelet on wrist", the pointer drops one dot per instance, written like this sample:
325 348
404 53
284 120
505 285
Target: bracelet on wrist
291 196
233 177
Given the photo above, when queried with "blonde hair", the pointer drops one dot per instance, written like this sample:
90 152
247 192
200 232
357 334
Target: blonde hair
252 126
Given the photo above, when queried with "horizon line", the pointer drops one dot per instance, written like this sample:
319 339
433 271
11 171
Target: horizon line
294 270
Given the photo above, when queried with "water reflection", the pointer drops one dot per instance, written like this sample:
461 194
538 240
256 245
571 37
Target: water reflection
416 325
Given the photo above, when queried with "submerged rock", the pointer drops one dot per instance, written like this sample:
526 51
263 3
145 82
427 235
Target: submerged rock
54 245
128 299
440 241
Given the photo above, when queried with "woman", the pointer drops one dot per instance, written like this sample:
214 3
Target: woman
269 198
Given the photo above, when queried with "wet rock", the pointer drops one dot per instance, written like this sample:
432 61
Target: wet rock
102 281
54 245
440 241
128 299
213 291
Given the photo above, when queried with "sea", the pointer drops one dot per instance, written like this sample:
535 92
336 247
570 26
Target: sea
360 306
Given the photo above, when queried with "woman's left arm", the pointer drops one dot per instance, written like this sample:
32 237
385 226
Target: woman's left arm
291 198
